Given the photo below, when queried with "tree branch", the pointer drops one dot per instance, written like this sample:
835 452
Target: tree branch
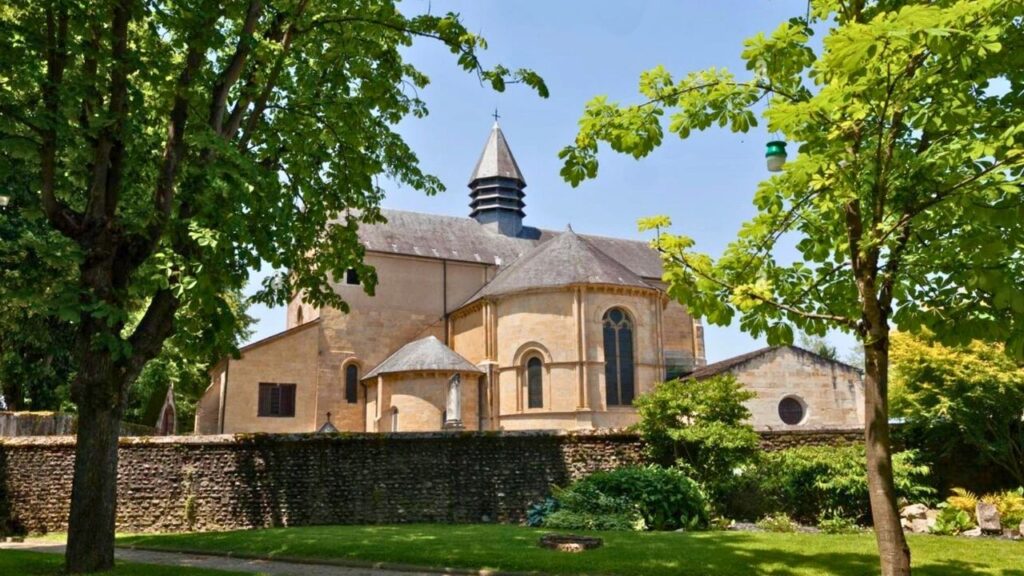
841 320
233 71
108 151
260 104
157 325
63 218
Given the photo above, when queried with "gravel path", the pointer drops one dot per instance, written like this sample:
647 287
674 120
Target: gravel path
272 567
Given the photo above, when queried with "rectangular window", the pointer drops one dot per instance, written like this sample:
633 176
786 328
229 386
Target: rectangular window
277 400
352 277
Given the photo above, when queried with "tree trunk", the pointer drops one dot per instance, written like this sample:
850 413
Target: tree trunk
90 545
892 544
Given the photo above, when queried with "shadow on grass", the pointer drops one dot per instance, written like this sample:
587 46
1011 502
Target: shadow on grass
650 554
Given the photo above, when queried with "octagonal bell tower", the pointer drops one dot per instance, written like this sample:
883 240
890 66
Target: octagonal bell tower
496 187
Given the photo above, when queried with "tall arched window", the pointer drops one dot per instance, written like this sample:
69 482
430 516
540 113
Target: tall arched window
298 317
352 383
618 358
394 419
534 383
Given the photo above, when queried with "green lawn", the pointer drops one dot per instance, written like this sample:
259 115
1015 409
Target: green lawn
23 563
625 553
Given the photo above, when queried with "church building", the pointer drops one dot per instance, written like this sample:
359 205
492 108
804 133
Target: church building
478 323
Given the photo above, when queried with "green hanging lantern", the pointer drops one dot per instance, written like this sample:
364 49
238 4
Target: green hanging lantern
775 155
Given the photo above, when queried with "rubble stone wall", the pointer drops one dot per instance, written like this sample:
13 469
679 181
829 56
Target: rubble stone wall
183 483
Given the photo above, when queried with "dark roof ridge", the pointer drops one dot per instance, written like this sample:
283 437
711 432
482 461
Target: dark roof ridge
459 238
278 335
565 260
721 366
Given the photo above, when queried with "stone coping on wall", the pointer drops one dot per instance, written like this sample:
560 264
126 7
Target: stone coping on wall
214 439
227 439
805 431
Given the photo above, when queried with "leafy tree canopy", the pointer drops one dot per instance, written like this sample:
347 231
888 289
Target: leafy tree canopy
176 144
971 394
904 198
910 130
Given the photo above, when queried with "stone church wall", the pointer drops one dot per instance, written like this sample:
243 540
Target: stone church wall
226 482
831 393
290 358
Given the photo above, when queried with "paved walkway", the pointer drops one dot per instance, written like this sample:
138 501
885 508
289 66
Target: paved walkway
274 568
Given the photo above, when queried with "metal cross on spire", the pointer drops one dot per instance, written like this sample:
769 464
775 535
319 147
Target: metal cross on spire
496 115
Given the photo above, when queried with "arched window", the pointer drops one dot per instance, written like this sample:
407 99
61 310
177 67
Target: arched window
534 383
298 317
618 358
352 383
394 419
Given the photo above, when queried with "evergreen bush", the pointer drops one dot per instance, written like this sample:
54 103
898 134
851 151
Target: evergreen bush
649 497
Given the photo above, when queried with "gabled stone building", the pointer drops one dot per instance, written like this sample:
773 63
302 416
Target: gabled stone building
478 323
795 388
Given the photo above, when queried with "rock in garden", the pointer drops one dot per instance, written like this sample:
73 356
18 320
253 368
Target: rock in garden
1021 528
906 524
919 525
988 518
570 547
914 511
972 533
931 516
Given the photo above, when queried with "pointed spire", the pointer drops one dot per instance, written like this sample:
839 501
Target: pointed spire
497 186
496 160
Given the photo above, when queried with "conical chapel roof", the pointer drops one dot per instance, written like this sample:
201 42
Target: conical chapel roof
566 260
496 161
426 354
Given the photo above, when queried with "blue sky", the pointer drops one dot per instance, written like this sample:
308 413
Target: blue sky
584 49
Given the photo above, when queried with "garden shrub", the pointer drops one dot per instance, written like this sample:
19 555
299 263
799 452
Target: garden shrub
833 524
584 507
1009 503
778 522
809 482
951 521
964 500
538 513
702 426
664 498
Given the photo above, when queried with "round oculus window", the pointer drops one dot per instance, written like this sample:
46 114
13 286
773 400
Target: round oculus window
791 411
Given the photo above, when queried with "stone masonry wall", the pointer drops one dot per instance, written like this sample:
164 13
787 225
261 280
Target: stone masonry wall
772 440
228 482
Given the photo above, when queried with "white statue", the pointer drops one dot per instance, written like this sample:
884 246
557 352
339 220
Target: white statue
453 415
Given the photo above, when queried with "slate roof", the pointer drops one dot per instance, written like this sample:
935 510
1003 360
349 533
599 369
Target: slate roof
426 354
464 239
564 260
496 160
736 361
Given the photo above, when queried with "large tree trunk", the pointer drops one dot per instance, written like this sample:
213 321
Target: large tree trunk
98 391
892 544
94 487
